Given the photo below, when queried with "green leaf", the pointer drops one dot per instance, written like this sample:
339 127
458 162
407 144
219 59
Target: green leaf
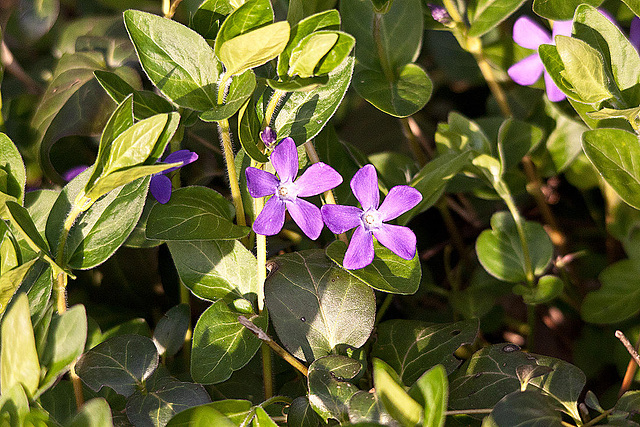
555 67
527 408
301 413
235 409
221 344
387 273
170 331
382 6
251 15
37 18
216 269
119 178
249 127
176 59
194 213
500 249
565 141
94 413
393 396
491 373
11 280
515 140
365 407
412 347
547 289
306 55
11 164
327 20
102 228
65 343
163 398
329 386
304 113
315 305
460 134
559 10
299 9
239 91
487 14
298 84
435 389
18 357
121 363
614 152
262 419
21 219
432 180
145 103
619 297
200 416
252 49
634 5
620 56
584 69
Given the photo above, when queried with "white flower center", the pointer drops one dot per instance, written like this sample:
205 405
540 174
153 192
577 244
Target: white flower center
287 191
371 219
283 191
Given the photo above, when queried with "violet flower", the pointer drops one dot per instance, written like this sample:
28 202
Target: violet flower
370 220
73 172
287 191
160 185
527 33
634 33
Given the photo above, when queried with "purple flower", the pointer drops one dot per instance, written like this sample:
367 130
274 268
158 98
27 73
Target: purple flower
287 190
160 185
439 14
73 172
634 33
268 136
530 35
370 220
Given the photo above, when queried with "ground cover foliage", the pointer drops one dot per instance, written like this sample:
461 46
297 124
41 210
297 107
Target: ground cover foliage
319 212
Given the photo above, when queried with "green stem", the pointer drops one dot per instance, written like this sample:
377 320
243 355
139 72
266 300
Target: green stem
452 10
531 322
511 205
227 148
383 308
267 371
275 99
414 144
377 37
599 418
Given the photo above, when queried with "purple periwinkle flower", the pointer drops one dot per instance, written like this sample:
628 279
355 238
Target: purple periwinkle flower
370 220
73 172
527 33
634 33
160 185
439 14
268 136
287 191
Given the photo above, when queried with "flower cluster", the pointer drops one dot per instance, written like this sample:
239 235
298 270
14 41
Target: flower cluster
286 192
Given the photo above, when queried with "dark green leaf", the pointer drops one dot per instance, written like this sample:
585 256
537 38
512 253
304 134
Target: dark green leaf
395 399
487 14
315 305
94 413
249 127
364 407
18 357
121 363
565 141
527 409
12 168
329 386
221 344
412 347
634 5
194 213
547 289
301 413
239 91
515 140
500 249
387 273
559 10
614 152
201 416
382 6
21 219
216 269
299 9
170 331
176 59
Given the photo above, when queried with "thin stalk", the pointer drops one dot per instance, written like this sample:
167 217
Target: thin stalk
227 148
468 411
599 418
383 308
511 205
414 144
11 65
531 322
630 373
627 344
489 76
274 101
267 371
261 251
452 10
170 10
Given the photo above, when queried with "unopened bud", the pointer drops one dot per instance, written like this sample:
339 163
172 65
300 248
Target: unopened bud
268 136
440 14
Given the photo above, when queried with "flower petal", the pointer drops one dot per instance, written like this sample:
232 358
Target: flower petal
317 179
260 183
528 33
307 216
634 33
553 92
340 218
182 156
160 187
400 199
400 240
527 71
364 185
285 160
271 219
73 172
561 28
360 251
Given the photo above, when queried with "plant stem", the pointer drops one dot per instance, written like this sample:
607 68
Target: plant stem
227 148
452 10
267 371
416 147
77 386
531 322
599 418
511 205
451 226
275 99
630 373
489 76
468 411
11 65
274 346
383 308
261 251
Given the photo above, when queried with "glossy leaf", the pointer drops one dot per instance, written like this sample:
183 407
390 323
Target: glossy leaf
309 52
240 89
555 67
249 128
487 14
365 407
194 213
527 408
490 374
460 134
614 152
547 289
65 343
515 140
170 331
163 398
251 15
121 363
200 416
315 305
329 386
434 387
619 297
11 163
21 219
18 357
500 249
189 80
412 347
387 272
301 413
221 344
10 281
262 419
558 10
216 269
393 396
95 413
